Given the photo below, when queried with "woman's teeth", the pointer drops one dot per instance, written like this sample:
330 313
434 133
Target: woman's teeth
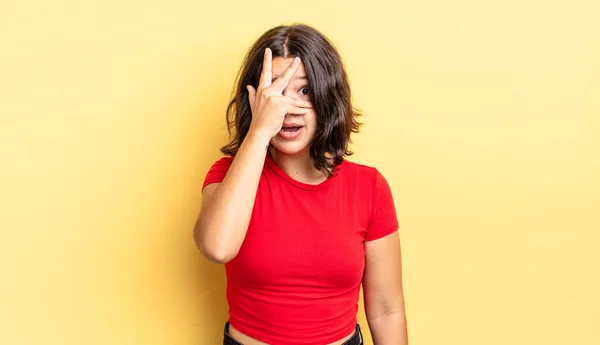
290 129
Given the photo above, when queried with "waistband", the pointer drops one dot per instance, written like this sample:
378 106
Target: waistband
356 339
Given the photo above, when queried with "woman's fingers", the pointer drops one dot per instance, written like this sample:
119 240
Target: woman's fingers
301 103
293 105
266 74
290 101
251 96
297 110
296 102
282 82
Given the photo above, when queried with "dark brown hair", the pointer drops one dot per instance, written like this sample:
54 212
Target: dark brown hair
328 83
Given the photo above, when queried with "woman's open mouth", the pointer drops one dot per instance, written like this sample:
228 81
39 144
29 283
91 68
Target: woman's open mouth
290 132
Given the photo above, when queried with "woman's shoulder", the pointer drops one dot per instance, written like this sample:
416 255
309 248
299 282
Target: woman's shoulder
360 171
222 163
225 159
364 175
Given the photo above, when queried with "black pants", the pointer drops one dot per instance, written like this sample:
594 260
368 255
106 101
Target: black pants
356 339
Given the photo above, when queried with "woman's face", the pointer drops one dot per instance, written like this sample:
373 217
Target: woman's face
298 130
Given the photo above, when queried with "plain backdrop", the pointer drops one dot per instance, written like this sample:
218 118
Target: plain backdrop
484 116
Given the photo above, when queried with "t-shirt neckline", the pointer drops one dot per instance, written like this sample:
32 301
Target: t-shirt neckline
271 163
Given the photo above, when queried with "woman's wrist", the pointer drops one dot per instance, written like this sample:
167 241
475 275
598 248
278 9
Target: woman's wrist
258 139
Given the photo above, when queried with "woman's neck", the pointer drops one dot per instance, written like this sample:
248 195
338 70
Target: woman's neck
298 166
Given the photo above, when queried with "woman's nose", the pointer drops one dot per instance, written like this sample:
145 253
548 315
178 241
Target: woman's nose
289 93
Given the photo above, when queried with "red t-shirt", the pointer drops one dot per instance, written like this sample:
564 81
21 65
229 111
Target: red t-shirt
297 276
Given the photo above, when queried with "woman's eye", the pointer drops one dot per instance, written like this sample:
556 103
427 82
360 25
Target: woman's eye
304 91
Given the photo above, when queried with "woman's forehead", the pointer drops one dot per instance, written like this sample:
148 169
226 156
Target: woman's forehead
280 64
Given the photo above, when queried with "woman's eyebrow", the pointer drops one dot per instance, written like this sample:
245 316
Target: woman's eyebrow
300 77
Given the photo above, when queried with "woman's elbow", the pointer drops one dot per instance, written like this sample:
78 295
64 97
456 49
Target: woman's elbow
217 256
213 250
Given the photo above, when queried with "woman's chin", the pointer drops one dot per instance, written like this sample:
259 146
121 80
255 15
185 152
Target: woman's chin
288 148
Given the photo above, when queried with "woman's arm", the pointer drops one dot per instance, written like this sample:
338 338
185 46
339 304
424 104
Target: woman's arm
383 292
227 206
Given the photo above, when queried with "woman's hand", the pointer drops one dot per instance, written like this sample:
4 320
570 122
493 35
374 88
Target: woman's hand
268 105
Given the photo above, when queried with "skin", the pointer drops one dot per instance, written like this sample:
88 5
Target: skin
281 98
383 291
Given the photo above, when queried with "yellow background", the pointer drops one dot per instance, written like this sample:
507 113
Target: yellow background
483 116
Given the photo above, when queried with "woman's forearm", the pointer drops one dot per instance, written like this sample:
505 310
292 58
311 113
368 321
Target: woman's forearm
223 222
389 329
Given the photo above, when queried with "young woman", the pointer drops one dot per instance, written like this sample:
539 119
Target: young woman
298 227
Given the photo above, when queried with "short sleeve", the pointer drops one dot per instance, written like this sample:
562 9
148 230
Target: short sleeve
217 172
383 220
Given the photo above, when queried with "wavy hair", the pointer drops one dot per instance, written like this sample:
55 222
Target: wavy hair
329 86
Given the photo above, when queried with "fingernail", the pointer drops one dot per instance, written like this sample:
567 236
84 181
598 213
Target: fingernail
296 59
